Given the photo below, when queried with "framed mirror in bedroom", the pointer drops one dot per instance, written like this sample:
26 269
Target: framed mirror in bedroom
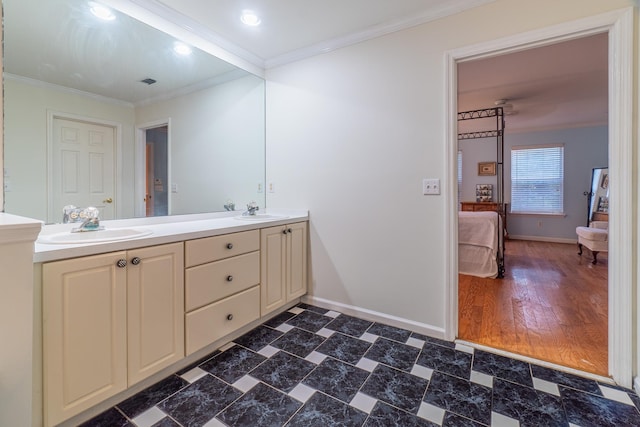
599 195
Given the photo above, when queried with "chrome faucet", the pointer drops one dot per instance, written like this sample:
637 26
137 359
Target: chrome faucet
252 208
90 220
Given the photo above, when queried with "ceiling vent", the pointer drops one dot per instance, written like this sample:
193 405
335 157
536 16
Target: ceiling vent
148 81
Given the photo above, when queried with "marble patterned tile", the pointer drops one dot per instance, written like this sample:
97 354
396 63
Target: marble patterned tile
527 405
313 308
279 319
585 409
396 388
446 359
323 411
568 380
437 341
233 364
394 354
258 338
349 325
384 415
344 347
502 367
298 342
389 332
198 403
455 420
261 406
460 396
197 363
310 321
109 418
283 371
166 422
337 379
151 396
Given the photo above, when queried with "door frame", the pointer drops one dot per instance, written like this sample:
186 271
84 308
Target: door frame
618 25
52 115
140 165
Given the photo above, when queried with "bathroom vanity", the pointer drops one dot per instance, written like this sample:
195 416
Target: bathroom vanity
115 313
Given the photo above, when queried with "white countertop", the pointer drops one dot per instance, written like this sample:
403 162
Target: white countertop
167 229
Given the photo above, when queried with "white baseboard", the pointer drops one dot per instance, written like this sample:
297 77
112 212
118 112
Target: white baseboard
375 316
544 239
636 385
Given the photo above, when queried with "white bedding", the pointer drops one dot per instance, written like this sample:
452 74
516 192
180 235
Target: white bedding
478 243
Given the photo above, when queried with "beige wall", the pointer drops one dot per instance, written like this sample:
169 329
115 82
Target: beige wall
367 126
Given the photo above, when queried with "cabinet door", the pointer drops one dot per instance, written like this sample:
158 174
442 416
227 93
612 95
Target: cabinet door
273 253
297 260
155 286
84 333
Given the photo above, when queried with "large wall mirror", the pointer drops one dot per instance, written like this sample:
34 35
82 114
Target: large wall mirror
105 112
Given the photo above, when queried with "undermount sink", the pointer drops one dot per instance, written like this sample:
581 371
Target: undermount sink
261 217
107 235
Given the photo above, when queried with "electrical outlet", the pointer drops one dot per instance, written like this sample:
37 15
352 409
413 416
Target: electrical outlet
260 187
431 186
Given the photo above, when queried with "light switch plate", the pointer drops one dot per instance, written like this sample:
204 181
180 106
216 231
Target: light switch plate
430 186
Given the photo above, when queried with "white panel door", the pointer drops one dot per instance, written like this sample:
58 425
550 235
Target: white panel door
82 167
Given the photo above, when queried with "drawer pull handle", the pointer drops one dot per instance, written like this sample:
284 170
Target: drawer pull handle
122 263
135 260
229 245
229 316
229 278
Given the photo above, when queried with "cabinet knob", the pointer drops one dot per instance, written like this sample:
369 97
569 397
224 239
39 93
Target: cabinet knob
135 260
229 245
229 278
121 263
288 230
229 316
284 231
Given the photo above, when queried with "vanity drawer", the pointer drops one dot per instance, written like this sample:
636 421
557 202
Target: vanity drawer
214 248
214 321
216 280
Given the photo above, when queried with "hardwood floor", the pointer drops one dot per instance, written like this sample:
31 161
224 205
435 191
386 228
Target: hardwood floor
552 305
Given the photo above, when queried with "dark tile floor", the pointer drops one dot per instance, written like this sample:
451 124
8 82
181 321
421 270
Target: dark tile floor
312 367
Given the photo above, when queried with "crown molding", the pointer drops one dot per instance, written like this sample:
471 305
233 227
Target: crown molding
450 8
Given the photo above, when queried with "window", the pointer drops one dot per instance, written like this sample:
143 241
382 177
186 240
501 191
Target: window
537 179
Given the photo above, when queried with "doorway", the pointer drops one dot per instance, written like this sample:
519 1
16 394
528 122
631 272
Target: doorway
153 166
555 105
156 167
619 27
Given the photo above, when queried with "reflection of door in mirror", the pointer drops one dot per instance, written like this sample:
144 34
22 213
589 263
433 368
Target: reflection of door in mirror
599 195
81 167
156 165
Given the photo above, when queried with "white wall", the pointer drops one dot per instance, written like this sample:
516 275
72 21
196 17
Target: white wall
350 135
217 145
584 149
25 143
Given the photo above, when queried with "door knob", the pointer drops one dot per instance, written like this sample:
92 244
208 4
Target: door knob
109 200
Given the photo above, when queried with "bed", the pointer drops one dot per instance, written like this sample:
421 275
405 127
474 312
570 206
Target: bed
480 246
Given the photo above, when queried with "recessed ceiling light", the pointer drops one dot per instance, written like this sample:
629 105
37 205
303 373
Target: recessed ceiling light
250 18
181 49
101 11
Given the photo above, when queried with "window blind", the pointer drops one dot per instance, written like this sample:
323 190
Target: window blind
537 179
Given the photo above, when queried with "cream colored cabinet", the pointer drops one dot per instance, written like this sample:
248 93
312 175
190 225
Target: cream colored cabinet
222 286
283 270
108 321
